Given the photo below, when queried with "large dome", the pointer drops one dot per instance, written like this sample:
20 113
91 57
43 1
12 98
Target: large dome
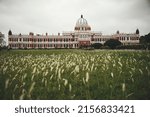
81 21
82 24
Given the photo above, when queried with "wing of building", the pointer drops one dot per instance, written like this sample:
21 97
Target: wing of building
81 36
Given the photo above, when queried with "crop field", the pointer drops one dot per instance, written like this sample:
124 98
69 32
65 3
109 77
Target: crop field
74 74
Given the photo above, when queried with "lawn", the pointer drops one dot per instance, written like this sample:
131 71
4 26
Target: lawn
74 74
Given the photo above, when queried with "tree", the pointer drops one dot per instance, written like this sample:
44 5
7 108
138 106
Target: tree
145 39
2 41
96 45
112 43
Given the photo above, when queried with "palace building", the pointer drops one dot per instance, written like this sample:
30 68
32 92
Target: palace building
81 36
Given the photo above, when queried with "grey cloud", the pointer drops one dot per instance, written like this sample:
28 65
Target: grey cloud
148 2
53 16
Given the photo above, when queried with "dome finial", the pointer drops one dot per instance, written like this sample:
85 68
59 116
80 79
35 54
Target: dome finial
81 16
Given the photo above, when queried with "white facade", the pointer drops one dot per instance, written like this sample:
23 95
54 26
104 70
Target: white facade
81 36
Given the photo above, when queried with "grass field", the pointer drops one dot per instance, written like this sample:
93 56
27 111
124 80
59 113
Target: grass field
74 74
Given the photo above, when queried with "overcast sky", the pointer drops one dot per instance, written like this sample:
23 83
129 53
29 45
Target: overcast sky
53 16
